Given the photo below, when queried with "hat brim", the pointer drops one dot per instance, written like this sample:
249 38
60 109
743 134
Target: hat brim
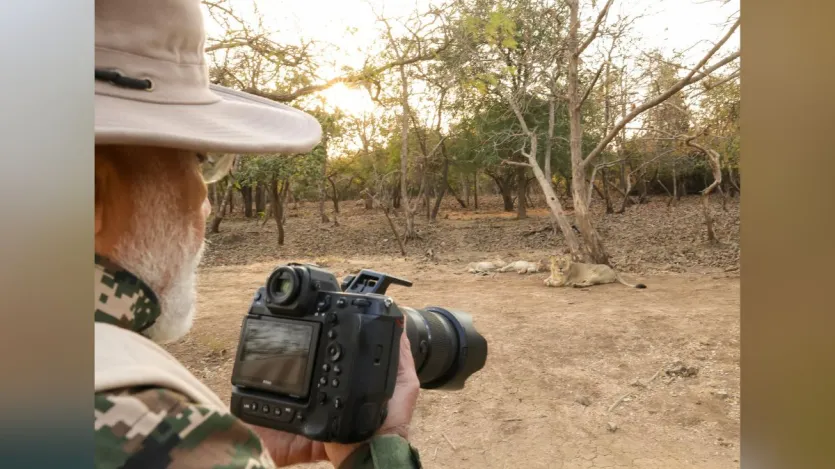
238 123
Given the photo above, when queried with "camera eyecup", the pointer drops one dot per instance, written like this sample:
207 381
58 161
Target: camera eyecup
283 286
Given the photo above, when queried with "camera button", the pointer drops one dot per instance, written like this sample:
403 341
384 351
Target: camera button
286 415
337 403
331 334
335 352
332 318
360 302
337 369
323 305
341 302
250 406
265 409
326 368
323 397
335 383
277 412
323 381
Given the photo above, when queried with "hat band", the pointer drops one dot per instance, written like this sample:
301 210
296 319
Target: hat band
170 83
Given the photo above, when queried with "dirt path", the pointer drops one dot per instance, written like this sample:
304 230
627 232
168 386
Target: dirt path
558 359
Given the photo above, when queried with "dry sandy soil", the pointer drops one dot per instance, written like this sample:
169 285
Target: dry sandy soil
559 359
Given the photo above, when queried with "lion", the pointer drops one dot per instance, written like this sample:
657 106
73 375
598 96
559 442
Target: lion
567 273
484 267
524 267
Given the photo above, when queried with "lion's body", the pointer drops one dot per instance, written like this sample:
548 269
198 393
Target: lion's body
523 267
485 266
567 273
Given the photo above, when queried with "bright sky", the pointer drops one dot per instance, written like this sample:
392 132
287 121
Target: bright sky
667 24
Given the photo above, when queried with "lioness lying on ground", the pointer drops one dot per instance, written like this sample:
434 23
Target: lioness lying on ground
484 267
524 267
567 273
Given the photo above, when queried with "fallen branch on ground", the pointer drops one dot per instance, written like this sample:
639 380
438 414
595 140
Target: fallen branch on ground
630 393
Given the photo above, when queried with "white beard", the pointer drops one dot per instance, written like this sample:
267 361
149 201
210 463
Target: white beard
163 250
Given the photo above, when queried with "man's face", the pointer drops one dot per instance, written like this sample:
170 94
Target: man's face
151 210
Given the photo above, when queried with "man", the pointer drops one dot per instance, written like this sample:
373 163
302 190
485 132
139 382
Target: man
157 119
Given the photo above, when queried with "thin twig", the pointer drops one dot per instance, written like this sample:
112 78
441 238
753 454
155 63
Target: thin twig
617 402
450 442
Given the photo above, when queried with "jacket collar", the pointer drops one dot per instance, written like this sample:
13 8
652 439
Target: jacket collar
122 299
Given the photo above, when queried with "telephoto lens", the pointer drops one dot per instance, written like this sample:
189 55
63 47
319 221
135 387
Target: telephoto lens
445 345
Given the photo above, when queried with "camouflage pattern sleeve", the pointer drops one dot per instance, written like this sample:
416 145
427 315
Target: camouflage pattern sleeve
159 428
384 451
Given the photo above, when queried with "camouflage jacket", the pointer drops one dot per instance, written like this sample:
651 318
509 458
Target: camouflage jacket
151 427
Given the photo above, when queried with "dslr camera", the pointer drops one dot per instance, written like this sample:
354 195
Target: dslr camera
318 358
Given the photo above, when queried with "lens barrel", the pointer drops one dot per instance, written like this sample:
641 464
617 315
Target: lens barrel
445 345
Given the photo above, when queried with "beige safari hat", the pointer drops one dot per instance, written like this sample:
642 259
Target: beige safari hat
152 87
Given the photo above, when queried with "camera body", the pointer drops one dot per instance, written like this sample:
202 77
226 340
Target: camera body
315 360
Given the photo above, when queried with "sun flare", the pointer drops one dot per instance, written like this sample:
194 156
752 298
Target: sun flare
353 101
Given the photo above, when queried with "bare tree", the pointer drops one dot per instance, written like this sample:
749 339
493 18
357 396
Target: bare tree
593 249
214 227
715 162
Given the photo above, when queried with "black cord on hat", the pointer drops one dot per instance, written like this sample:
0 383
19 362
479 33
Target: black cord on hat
116 78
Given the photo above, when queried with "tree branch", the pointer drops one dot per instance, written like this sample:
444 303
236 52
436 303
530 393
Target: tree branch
593 82
593 34
691 77
718 84
347 79
516 163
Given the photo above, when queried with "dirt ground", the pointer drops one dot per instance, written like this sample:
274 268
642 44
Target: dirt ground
560 360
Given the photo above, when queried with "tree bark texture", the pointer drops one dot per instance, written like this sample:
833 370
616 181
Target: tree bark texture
522 192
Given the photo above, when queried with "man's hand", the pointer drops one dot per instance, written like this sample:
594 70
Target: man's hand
288 449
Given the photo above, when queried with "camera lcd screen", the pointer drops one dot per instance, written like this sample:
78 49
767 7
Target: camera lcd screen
275 355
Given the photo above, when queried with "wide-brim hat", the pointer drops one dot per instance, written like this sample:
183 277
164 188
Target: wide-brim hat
152 88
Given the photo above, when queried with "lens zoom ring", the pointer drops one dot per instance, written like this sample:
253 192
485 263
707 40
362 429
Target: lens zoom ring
443 346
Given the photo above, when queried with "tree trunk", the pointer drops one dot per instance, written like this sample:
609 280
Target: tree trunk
625 185
212 189
714 160
609 208
260 205
427 204
503 184
455 194
465 188
557 213
733 180
394 231
219 213
594 250
627 178
335 197
409 209
664 186
475 190
335 200
442 187
395 196
215 226
277 206
507 198
246 195
322 195
548 141
521 191
676 196
231 196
